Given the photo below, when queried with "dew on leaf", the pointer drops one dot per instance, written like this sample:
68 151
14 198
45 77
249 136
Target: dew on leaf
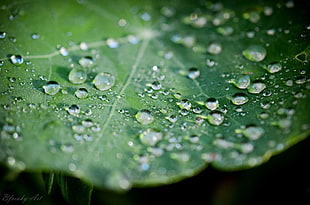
150 137
251 132
156 85
239 99
273 67
256 87
112 43
67 148
172 118
283 123
255 53
185 104
17 59
253 16
78 128
77 76
214 48
83 46
242 81
104 81
35 36
225 31
87 123
212 103
2 34
215 118
144 117
87 61
180 156
193 73
74 110
63 51
51 88
81 93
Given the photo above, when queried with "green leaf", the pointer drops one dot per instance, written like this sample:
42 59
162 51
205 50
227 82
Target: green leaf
74 190
139 93
49 181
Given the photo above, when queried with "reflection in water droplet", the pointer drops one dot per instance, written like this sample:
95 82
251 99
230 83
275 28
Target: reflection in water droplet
87 61
156 85
256 87
215 118
16 59
255 53
81 93
150 137
193 73
104 81
239 99
144 117
185 104
212 103
273 67
77 76
51 88
2 34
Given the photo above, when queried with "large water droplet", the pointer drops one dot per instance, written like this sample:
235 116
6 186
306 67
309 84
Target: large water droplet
16 59
87 61
242 81
215 118
104 81
74 110
81 93
144 117
255 53
51 88
212 103
193 73
77 76
150 137
273 67
239 99
256 87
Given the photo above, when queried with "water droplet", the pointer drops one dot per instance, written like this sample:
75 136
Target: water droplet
273 67
81 93
172 118
185 104
83 46
68 148
35 36
283 123
215 118
150 137
2 34
74 110
242 82
144 117
112 43
193 73
256 87
104 81
77 76
12 79
78 128
156 85
255 53
239 99
87 61
87 123
225 31
51 88
16 59
212 103
214 48
63 51
252 132
180 156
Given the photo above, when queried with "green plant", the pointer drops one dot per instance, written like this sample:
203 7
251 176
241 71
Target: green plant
132 94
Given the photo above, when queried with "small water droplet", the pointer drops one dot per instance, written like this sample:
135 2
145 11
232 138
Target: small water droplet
81 93
255 53
156 85
68 148
35 36
150 137
239 99
256 87
273 67
193 73
2 34
214 48
172 118
212 103
51 88
185 104
78 128
144 117
242 81
112 43
104 81
63 51
252 132
215 118
74 110
16 59
87 61
77 76
283 123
